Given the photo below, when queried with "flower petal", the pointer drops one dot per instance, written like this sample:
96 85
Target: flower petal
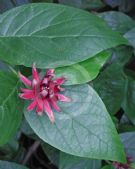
39 106
35 73
32 105
27 96
59 81
63 98
54 105
25 90
45 80
49 111
24 79
50 72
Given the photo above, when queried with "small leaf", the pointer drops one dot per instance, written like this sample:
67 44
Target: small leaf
118 21
130 35
72 162
84 71
128 140
121 55
62 36
5 5
10 165
10 106
85 4
129 100
83 128
124 5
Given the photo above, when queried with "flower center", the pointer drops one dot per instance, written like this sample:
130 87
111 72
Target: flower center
44 90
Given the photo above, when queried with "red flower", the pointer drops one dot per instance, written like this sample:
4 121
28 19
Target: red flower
118 165
44 92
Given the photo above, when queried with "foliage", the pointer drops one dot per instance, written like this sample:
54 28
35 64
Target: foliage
84 54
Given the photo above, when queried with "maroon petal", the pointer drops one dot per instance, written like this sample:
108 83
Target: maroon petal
27 96
25 90
35 73
48 110
32 105
50 72
63 98
45 80
59 81
39 106
24 79
54 105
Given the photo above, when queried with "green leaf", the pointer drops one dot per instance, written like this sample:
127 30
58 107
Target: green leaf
121 55
84 71
83 128
108 167
5 5
118 21
10 165
9 150
123 5
4 67
52 153
62 36
85 4
72 162
130 36
10 106
129 100
8 4
128 140
110 85
26 129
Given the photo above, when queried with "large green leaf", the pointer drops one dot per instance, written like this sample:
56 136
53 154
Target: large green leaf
10 165
110 85
83 128
10 107
53 35
118 21
72 162
85 71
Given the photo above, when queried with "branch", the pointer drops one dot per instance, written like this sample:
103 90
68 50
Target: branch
31 150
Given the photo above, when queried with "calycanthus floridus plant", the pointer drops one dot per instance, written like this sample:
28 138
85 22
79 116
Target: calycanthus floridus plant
75 103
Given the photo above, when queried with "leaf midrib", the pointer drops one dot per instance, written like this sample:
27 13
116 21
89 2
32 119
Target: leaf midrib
60 36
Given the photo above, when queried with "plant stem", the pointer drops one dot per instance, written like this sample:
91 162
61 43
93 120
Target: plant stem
31 150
